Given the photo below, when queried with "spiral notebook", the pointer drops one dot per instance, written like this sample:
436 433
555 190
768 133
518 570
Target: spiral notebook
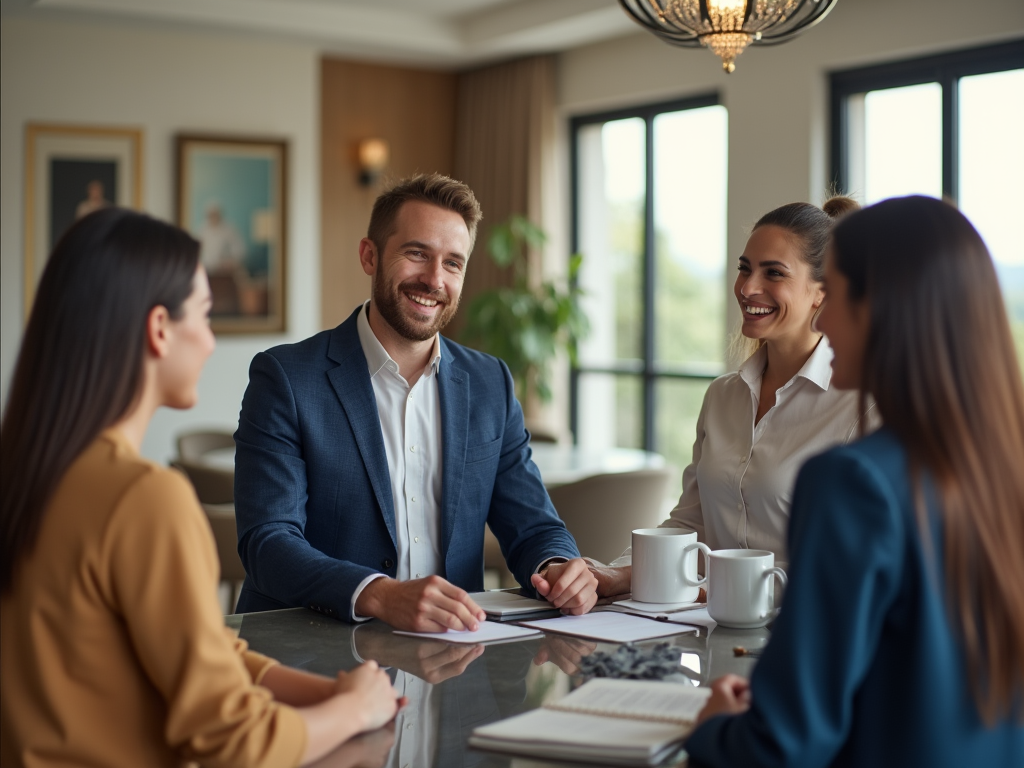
611 722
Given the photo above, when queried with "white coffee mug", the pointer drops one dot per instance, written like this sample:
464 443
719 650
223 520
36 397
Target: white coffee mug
740 586
661 565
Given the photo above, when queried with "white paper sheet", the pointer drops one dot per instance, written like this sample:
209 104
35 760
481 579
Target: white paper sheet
609 626
697 617
489 632
658 609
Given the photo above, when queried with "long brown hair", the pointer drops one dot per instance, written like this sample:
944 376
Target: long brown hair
80 365
941 366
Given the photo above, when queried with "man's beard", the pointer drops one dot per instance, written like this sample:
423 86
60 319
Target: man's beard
389 304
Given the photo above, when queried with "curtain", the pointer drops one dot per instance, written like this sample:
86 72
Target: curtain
504 150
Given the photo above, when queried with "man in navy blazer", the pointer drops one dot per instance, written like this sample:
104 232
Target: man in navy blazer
370 456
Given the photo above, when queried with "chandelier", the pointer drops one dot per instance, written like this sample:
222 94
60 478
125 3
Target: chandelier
727 27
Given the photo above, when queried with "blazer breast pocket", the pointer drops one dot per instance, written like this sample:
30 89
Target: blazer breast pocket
483 452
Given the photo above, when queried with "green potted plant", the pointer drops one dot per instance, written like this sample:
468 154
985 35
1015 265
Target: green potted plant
526 325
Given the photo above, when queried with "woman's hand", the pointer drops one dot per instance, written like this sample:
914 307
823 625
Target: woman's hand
371 687
730 695
611 580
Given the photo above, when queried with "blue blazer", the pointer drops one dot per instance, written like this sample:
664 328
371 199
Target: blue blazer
313 499
864 666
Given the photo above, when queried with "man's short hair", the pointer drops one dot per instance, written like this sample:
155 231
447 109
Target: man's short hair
433 188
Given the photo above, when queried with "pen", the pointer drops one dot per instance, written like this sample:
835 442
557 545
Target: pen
754 653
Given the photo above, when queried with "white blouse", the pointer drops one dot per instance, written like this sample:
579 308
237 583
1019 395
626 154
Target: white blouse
738 488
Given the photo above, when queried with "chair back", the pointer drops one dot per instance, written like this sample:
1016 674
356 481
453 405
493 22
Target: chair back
601 511
192 445
213 485
222 522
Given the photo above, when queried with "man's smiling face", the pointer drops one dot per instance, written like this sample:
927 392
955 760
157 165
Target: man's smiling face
417 279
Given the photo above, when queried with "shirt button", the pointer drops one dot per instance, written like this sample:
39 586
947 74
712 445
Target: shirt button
413 449
417 539
413 499
418 576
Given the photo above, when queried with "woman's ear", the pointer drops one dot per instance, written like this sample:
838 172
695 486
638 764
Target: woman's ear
819 296
158 330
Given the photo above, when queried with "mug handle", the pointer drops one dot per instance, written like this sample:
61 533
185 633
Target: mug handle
706 550
781 576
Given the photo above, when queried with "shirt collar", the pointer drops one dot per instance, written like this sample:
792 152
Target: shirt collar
817 369
376 356
752 369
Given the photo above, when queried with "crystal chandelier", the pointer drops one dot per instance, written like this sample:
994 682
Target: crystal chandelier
727 27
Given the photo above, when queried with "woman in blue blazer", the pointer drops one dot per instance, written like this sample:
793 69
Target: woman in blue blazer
901 640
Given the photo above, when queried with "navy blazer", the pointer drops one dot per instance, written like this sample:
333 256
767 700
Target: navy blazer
313 499
864 666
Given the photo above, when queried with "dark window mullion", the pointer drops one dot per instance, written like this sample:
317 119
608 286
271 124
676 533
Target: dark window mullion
950 136
946 69
648 296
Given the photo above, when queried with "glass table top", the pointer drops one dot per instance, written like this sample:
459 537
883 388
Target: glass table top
453 689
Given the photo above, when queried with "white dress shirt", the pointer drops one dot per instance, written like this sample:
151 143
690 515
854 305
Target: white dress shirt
738 488
410 421
417 725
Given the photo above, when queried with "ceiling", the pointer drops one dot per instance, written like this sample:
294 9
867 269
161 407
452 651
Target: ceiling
439 33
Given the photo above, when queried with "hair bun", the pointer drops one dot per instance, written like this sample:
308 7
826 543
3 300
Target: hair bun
840 205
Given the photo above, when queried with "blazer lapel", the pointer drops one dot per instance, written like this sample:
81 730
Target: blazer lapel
351 382
453 391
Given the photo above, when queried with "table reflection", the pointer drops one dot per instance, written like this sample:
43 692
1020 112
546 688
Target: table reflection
453 689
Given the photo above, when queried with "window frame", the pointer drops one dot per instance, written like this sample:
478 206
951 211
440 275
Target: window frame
946 69
648 370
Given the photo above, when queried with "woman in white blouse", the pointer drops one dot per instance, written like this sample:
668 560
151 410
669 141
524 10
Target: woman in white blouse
758 425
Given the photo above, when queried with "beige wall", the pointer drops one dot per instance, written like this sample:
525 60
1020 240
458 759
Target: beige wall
414 111
186 80
164 82
778 96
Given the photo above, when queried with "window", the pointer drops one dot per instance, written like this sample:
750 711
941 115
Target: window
948 125
649 202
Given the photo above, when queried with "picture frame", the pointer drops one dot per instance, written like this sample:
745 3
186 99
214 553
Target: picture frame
232 196
72 170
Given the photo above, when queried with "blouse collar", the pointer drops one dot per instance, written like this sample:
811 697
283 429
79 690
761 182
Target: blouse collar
817 369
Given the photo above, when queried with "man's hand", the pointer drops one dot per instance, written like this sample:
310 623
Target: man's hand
420 605
564 652
439 661
433 662
570 586
730 695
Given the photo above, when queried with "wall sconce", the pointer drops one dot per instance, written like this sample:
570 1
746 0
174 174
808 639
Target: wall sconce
373 158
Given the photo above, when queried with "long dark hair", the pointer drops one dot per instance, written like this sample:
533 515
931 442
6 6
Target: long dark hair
81 360
941 366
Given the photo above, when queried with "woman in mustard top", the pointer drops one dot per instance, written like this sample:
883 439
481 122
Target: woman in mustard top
113 650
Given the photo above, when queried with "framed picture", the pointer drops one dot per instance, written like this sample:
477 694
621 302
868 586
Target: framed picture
72 170
232 197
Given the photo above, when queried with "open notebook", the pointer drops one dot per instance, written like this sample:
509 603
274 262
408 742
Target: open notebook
611 722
